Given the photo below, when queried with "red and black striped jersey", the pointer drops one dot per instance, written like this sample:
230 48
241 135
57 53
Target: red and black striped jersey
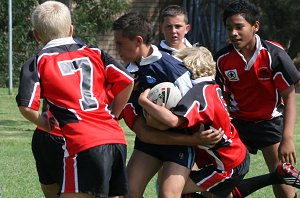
74 79
204 104
253 87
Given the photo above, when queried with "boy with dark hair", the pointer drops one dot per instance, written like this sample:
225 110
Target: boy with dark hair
174 26
258 79
133 35
223 164
73 79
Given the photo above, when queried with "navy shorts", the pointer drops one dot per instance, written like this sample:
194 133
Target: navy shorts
258 135
98 171
48 154
182 155
220 183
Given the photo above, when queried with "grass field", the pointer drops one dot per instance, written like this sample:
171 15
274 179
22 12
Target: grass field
18 177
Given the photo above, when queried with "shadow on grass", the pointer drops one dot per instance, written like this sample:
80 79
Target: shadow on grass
13 122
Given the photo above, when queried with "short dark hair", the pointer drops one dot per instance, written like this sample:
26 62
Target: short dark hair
134 24
171 11
243 7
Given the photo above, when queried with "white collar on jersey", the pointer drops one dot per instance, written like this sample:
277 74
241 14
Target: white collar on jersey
255 55
202 79
155 56
164 45
60 41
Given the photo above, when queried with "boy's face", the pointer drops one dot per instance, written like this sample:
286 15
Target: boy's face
241 33
127 49
174 30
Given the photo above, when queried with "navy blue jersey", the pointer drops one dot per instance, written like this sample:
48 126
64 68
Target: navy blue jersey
158 67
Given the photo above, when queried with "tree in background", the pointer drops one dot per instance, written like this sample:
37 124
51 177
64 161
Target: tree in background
281 22
89 17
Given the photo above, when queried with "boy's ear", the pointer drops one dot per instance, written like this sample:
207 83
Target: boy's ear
256 26
37 36
139 40
187 28
71 31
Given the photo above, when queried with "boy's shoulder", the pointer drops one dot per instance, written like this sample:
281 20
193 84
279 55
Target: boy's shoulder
166 50
272 46
224 50
169 59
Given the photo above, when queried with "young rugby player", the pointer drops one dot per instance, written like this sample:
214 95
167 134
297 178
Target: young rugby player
258 79
174 26
73 79
133 36
224 164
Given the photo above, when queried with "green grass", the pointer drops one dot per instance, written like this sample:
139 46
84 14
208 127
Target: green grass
18 177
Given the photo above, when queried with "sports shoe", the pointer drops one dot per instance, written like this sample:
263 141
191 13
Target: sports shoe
289 174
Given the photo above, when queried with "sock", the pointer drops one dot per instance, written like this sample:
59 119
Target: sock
236 193
250 185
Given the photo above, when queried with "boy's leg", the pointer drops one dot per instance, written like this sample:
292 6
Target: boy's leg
172 181
270 154
76 195
141 168
285 173
51 190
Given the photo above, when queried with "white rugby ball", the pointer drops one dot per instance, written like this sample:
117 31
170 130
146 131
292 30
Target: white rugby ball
165 92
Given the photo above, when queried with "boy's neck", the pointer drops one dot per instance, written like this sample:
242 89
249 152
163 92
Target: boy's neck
249 50
177 47
147 50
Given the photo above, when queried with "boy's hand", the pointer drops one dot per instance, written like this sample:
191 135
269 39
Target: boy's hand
48 123
143 98
208 138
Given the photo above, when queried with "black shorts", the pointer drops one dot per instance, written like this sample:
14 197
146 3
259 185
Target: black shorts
98 171
182 155
48 154
220 183
258 135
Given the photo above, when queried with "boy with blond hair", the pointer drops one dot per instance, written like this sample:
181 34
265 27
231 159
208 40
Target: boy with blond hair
73 79
224 163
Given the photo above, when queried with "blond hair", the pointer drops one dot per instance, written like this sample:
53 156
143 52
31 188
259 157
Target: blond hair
51 20
197 59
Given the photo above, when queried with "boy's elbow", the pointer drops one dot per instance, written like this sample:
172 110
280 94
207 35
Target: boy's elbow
173 122
24 110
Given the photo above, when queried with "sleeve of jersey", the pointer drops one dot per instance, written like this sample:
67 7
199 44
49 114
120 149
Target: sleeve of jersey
131 110
190 106
179 74
117 76
285 72
220 80
29 92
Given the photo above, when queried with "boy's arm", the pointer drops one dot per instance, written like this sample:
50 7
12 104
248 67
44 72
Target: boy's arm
286 150
120 100
160 113
153 136
120 81
41 120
